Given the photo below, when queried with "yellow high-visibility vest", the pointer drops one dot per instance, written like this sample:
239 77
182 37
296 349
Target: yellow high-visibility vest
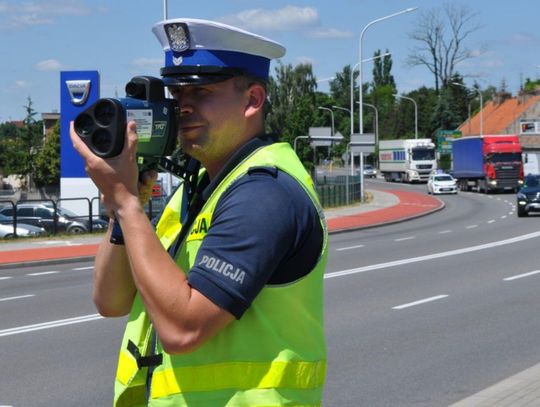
275 355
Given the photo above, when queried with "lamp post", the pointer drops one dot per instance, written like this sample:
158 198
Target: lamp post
415 113
351 111
481 106
408 10
331 115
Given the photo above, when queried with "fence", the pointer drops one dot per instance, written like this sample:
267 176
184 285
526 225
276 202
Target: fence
338 190
52 218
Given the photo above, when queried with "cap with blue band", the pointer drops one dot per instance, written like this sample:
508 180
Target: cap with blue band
200 51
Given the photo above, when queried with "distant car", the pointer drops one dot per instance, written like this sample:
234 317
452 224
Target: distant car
369 171
528 197
441 184
42 215
23 230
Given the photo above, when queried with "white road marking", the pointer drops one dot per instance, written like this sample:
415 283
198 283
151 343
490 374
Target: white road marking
503 217
47 325
83 268
433 256
347 248
412 304
521 275
43 273
16 298
491 221
5 278
405 238
471 226
444 231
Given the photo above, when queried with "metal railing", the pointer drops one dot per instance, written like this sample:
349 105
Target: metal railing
339 190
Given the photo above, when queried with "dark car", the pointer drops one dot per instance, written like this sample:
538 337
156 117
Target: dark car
528 197
42 215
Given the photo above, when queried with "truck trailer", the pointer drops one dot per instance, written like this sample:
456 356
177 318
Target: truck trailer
407 160
488 163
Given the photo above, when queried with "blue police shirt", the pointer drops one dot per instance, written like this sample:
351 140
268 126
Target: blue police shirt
265 230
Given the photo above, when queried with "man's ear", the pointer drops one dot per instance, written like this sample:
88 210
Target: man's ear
256 99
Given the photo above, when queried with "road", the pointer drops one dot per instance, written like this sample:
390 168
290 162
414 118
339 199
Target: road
421 313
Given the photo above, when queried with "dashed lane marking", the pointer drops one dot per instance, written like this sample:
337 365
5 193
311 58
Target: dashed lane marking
17 297
350 248
530 273
425 300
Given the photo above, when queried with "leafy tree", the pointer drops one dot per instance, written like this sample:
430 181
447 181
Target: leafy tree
292 97
382 70
31 136
444 116
47 160
442 41
531 85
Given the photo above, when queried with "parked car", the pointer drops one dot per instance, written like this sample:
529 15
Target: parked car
23 230
441 183
528 197
42 215
369 171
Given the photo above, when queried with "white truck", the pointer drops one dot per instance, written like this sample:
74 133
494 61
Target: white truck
407 160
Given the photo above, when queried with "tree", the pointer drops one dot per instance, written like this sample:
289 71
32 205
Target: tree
47 160
31 139
292 97
441 49
381 96
382 70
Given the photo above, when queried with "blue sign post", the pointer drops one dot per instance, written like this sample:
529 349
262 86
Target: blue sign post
78 90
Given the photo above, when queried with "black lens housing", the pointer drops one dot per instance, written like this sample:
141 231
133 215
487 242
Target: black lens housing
102 127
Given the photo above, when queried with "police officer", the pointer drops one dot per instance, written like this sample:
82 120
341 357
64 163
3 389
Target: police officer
225 293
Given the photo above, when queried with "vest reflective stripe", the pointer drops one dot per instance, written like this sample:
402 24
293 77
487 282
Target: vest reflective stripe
239 375
274 355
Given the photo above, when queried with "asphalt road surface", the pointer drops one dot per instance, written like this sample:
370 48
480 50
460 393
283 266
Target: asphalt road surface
420 313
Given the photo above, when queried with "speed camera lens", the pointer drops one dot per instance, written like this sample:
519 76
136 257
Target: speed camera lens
101 141
84 124
104 112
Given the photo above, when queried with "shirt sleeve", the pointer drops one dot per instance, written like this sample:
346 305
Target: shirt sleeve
259 223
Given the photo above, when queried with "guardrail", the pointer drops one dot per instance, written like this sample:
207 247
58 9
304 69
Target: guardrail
338 190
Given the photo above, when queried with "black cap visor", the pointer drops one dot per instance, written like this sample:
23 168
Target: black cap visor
197 75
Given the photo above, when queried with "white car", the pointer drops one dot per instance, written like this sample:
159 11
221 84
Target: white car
441 184
23 230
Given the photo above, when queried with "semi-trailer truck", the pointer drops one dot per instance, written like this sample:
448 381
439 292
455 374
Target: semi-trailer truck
407 160
487 163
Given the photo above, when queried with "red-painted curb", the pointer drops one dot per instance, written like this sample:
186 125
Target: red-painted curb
411 204
47 253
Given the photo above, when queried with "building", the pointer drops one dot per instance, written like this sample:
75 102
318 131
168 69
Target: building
505 114
49 121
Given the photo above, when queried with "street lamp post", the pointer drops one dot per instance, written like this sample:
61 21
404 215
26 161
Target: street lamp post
351 111
415 113
408 10
481 106
331 115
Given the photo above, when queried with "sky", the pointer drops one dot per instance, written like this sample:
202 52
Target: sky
41 38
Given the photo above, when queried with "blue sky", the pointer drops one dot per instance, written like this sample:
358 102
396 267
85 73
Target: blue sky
40 38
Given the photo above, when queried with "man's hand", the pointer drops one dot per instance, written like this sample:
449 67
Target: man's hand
116 177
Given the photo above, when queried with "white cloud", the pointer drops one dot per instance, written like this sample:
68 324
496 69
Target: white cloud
523 38
329 33
22 84
16 15
286 18
49 65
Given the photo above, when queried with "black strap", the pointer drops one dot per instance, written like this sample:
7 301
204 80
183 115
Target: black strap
144 361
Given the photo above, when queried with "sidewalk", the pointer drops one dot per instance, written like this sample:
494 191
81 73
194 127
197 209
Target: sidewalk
387 206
